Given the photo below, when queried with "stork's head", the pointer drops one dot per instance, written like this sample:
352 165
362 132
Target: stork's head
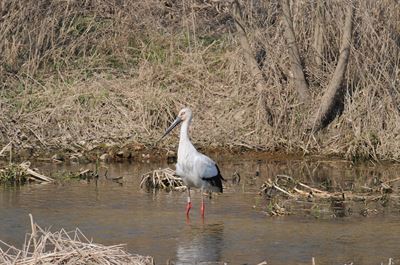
184 115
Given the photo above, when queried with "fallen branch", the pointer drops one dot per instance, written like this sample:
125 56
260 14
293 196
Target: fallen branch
273 185
283 191
34 174
312 189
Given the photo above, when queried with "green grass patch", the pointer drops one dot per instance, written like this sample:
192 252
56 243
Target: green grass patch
13 174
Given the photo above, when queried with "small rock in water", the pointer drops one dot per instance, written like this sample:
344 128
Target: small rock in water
104 157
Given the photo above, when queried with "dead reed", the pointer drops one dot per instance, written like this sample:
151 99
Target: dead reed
284 192
162 179
44 247
115 72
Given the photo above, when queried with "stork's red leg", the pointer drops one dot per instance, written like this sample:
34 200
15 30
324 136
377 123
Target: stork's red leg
189 203
203 206
188 207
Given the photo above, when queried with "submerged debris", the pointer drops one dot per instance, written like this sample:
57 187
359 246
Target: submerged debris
87 174
84 174
284 192
291 188
164 179
20 174
61 247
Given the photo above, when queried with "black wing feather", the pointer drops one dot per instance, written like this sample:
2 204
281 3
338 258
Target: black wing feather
216 181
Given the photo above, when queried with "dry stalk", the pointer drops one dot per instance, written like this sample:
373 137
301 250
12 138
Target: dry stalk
7 147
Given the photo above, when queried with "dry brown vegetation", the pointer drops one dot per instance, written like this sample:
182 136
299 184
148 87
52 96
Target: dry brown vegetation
286 195
162 179
45 247
78 74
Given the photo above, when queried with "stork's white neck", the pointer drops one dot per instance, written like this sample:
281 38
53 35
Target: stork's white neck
184 137
185 146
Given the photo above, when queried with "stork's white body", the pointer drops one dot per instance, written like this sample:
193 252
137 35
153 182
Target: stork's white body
195 169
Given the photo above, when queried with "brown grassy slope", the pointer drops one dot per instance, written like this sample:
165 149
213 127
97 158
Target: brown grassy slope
117 72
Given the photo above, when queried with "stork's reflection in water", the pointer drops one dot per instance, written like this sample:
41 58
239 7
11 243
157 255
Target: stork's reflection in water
200 243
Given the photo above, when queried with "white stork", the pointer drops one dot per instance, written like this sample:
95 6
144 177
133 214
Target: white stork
195 169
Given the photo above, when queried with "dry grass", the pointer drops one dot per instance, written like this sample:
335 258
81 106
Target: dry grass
77 75
163 179
287 195
62 247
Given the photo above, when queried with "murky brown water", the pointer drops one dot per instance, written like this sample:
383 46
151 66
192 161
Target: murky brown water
155 224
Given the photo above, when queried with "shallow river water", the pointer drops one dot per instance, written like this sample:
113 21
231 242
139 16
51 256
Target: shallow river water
235 229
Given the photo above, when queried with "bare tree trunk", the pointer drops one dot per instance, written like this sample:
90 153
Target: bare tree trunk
251 61
319 33
332 100
294 55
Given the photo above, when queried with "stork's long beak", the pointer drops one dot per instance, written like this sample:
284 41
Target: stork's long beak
170 128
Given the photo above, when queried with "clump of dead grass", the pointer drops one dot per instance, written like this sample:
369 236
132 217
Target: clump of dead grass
45 247
162 179
285 195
